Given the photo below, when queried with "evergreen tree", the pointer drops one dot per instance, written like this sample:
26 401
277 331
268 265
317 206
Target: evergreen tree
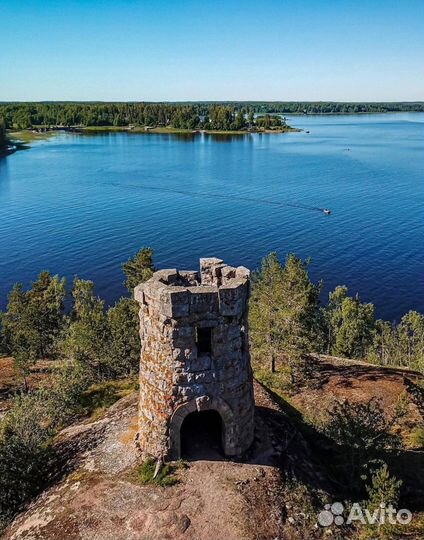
350 324
411 340
284 311
139 268
364 431
33 320
383 492
266 320
124 349
87 338
2 134
46 303
383 488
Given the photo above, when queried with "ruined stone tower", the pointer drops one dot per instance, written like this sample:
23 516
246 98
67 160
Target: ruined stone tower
194 356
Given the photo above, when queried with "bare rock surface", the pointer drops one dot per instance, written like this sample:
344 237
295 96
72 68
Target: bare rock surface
100 498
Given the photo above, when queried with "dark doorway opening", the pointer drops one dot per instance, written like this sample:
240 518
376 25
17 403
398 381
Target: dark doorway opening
201 436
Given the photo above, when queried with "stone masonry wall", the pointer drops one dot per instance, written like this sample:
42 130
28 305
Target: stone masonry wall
175 379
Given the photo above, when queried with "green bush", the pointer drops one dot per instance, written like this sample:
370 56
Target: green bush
98 397
417 438
165 477
26 434
362 431
382 489
25 453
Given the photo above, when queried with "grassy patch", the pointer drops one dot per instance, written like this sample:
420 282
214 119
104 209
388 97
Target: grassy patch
166 130
166 476
101 396
28 136
278 382
137 129
417 438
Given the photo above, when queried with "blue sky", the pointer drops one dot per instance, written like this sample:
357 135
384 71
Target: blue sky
212 50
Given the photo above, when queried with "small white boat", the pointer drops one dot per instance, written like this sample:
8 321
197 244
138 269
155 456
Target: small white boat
326 211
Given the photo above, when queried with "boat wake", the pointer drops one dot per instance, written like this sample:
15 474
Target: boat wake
207 194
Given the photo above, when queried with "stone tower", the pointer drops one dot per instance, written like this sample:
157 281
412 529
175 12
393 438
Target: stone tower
194 356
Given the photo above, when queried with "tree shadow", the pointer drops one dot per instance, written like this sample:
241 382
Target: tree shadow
321 463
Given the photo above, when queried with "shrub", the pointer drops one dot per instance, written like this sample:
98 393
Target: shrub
382 489
165 477
26 433
417 438
363 431
25 453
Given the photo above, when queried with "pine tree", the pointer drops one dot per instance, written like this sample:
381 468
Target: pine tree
139 268
411 340
383 492
284 312
87 338
32 321
266 310
350 324
124 349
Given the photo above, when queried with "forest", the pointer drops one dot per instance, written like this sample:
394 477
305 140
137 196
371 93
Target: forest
329 107
231 116
178 116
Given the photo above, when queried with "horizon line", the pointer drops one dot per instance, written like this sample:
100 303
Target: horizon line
421 101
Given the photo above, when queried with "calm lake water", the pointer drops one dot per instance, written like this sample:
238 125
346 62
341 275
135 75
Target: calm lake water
79 204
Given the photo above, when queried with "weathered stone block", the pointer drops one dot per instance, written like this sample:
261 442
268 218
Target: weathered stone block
210 271
179 300
232 299
169 277
189 277
227 273
200 363
203 300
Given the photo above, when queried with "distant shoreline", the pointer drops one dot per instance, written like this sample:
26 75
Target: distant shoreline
360 113
173 131
21 139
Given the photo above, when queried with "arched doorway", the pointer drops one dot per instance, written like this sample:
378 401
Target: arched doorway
201 405
201 435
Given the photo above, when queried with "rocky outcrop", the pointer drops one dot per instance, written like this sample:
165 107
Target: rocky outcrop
100 498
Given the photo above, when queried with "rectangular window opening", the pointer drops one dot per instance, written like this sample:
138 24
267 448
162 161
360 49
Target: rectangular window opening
204 340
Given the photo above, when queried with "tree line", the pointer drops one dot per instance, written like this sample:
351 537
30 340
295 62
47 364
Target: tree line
94 346
358 442
35 324
179 116
328 107
207 115
287 321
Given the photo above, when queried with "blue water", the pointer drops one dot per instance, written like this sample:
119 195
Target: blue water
79 204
